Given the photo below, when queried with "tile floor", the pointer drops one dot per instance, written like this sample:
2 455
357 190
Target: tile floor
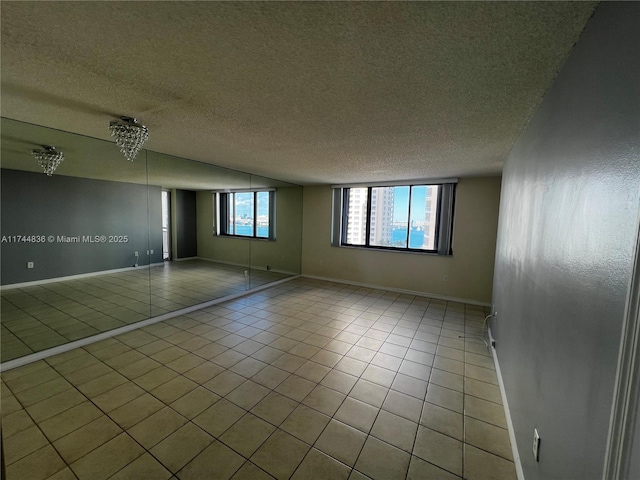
35 318
304 380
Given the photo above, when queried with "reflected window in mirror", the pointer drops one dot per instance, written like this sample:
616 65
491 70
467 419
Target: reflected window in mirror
246 213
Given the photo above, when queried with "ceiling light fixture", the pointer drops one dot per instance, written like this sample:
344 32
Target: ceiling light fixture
48 158
130 136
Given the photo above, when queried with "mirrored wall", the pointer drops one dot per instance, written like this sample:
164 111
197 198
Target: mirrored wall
105 242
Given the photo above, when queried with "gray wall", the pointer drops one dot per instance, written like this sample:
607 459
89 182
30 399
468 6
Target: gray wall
34 204
186 224
568 220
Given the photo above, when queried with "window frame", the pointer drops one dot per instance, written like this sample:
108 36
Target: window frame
221 204
444 216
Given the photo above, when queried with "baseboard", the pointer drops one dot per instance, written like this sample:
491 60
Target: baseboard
400 290
76 277
507 413
34 357
244 265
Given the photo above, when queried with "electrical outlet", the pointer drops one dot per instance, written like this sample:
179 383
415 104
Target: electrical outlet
536 444
29 264
446 278
151 252
135 254
246 273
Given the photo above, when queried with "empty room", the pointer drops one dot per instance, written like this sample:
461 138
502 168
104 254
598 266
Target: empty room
320 240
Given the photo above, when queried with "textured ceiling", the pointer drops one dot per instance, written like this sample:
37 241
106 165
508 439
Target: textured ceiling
307 92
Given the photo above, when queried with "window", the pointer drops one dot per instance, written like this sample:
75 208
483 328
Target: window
416 218
246 213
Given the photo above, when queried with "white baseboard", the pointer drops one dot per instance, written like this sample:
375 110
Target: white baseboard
507 413
245 265
400 290
76 277
34 357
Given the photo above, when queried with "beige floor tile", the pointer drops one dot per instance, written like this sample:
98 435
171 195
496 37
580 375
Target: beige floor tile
22 444
488 437
379 375
33 379
15 422
179 448
341 442
420 470
155 378
136 410
445 397
483 390
274 408
482 361
64 474
195 402
143 467
25 370
318 466
86 374
442 420
369 392
451 353
439 449
39 465
216 462
483 374
224 383
357 414
107 459
339 381
270 377
248 367
248 395
173 389
136 369
118 396
395 430
86 438
247 434
481 465
288 362
203 372
156 427
124 359
296 388
403 405
102 384
219 417
484 410
324 400
55 404
410 386
66 422
305 424
41 392
10 404
447 380
280 455
380 460
153 347
313 371
249 471
351 366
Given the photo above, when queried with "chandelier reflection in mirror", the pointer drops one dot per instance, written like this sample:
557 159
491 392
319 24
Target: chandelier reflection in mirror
129 135
48 158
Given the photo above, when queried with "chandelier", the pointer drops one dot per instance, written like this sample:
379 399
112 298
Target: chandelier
130 136
48 158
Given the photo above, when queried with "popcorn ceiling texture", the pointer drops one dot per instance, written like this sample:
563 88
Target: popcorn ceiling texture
312 93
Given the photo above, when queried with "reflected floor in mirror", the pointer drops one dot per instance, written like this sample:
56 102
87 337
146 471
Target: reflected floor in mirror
303 380
38 317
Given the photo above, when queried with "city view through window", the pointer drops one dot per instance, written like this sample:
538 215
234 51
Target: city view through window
248 211
400 217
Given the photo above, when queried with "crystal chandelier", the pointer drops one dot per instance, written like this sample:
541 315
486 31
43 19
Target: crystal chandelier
48 158
130 136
